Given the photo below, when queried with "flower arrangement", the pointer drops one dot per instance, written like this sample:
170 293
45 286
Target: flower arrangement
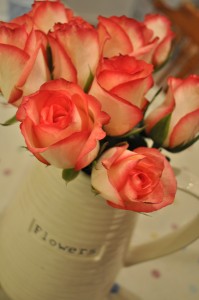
80 93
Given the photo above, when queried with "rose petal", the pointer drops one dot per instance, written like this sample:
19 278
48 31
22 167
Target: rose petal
134 91
103 36
11 56
162 51
100 178
185 130
182 90
186 97
46 13
117 70
14 37
120 111
146 52
91 147
119 42
161 27
84 58
64 154
36 71
118 174
137 32
24 20
63 66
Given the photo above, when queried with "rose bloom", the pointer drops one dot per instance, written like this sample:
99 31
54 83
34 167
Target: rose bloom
62 125
181 103
75 50
141 180
120 85
149 40
23 63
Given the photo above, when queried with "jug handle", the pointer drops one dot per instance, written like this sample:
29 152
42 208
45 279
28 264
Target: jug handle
174 241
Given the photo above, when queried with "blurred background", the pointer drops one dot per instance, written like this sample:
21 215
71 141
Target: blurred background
89 9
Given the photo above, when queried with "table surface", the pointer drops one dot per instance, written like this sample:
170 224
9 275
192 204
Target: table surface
172 277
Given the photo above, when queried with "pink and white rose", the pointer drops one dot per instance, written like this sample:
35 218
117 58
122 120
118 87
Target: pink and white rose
120 86
180 110
149 40
141 180
62 125
161 28
75 49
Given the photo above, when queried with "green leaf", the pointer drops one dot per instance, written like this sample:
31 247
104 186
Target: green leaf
182 147
161 66
134 131
153 99
160 130
69 174
88 82
96 192
11 121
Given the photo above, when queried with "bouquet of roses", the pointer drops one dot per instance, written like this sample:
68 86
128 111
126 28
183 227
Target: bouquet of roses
80 95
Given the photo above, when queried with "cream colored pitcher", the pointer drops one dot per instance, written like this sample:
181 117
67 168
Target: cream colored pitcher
63 242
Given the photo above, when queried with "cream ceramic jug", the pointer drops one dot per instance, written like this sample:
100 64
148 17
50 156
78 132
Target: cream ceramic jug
63 242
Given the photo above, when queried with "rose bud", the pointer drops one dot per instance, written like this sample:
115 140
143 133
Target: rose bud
175 123
75 50
161 28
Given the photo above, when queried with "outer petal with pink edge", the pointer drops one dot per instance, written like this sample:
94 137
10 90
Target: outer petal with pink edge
186 129
124 115
184 124
46 13
63 66
91 147
64 154
137 32
12 64
13 35
134 91
119 42
24 20
161 28
160 112
36 72
99 177
81 43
